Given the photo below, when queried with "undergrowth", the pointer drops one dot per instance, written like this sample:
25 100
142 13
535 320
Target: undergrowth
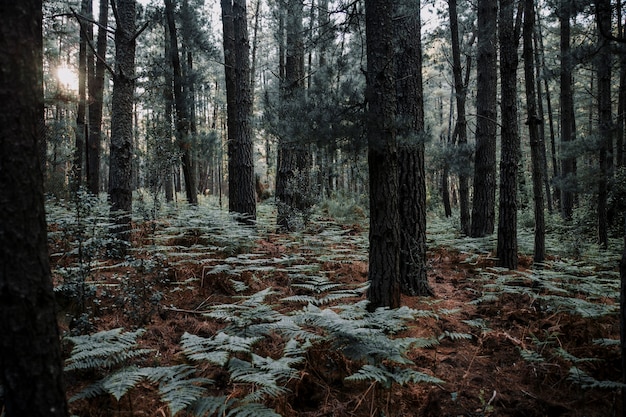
269 341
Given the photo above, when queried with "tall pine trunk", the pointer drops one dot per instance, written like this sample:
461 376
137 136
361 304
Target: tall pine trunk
121 154
384 235
31 367
483 208
96 100
568 161
533 120
507 220
181 104
411 136
239 110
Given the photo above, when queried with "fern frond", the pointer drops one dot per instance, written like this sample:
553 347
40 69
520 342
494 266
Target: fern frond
607 342
531 356
252 409
455 335
209 406
176 388
104 349
120 382
580 377
216 349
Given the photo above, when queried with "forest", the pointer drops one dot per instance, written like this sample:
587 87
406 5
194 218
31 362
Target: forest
312 208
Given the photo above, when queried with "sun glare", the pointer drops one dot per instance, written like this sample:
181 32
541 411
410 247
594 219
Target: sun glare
67 77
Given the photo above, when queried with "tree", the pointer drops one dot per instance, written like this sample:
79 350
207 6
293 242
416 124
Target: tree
294 156
411 136
568 162
459 134
605 155
81 125
120 171
507 221
382 156
183 116
96 101
239 109
533 121
30 354
483 208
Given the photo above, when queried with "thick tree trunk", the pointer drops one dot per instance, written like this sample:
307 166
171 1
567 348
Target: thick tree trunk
121 155
483 209
382 157
239 110
507 221
96 100
183 125
411 135
30 356
533 121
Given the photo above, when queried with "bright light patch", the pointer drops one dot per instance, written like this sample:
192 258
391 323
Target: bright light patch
67 77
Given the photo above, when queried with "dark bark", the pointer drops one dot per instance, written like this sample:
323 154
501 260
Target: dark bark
181 103
168 100
507 220
460 129
568 162
622 309
30 355
81 125
294 156
483 209
121 155
533 120
384 232
96 100
410 116
239 110
605 156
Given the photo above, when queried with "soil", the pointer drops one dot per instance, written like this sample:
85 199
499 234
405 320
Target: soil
484 376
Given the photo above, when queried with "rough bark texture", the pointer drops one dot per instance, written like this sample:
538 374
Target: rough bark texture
568 162
412 179
294 157
605 128
30 356
507 221
239 110
183 120
382 157
96 96
483 209
120 170
533 120
460 129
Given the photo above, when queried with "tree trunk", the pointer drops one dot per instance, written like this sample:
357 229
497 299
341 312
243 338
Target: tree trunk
460 129
96 100
294 157
411 135
384 236
239 110
533 121
31 366
81 126
120 169
483 209
603 68
507 221
568 162
183 125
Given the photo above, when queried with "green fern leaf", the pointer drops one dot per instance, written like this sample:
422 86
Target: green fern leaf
252 410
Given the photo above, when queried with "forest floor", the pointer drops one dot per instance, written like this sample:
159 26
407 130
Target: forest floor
506 345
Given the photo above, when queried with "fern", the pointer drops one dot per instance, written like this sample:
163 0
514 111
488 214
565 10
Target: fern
454 335
176 388
580 377
105 349
531 356
216 349
387 377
